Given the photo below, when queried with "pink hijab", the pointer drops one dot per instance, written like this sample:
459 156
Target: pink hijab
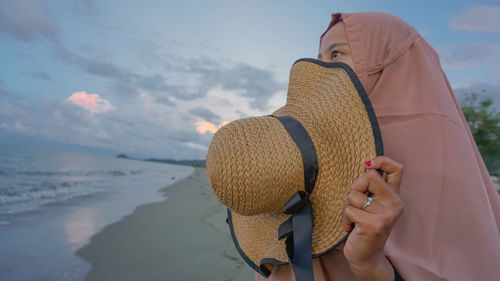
450 227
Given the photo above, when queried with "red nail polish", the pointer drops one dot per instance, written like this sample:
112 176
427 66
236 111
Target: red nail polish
368 163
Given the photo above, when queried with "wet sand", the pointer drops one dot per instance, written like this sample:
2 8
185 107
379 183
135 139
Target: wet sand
184 237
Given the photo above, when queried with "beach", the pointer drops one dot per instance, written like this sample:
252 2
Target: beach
184 237
53 202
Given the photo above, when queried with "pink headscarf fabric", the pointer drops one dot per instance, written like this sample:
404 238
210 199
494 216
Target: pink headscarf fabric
450 228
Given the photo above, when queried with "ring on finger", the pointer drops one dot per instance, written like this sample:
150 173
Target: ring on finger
368 202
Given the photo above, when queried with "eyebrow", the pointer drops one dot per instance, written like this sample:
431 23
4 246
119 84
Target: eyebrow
330 48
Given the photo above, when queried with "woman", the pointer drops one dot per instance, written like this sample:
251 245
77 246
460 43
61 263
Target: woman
449 229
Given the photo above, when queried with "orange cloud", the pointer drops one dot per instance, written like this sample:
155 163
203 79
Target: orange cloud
91 102
219 96
204 126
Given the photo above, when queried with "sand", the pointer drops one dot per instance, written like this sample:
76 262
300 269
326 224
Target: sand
185 237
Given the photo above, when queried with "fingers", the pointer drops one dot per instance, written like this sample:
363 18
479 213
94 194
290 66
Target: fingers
393 171
383 194
375 218
371 181
367 223
352 215
358 199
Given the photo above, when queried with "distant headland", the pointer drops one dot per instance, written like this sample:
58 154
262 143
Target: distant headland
193 163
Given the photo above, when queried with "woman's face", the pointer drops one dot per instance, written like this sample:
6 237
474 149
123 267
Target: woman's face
334 46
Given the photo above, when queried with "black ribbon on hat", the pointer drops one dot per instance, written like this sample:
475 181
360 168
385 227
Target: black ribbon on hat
298 228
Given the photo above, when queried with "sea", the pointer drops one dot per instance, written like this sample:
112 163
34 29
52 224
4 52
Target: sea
52 202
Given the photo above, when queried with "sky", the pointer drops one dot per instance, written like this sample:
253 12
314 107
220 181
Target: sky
157 78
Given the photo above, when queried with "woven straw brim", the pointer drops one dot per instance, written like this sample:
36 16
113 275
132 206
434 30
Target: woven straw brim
329 101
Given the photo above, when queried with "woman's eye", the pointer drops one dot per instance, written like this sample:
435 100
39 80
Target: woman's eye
335 54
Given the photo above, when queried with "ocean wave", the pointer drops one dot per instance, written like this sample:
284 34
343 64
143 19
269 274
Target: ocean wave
115 173
56 191
31 178
62 186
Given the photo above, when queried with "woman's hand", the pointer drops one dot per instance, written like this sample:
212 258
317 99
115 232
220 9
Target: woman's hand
364 248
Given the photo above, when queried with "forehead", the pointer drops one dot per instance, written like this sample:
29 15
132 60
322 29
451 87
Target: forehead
336 34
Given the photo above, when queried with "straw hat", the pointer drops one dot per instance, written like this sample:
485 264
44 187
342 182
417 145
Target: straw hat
284 177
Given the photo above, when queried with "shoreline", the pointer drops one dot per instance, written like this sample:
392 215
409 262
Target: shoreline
46 238
183 237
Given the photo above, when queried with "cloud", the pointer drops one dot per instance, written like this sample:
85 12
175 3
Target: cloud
164 99
241 114
495 74
203 126
425 32
219 96
205 113
468 56
87 7
257 84
154 82
169 104
197 146
40 75
96 63
100 68
199 76
100 65
174 79
194 81
141 128
148 123
27 20
478 18
490 90
91 102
